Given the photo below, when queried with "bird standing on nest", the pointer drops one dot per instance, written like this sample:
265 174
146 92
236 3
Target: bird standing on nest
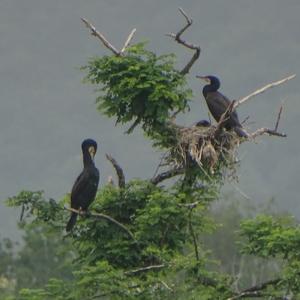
217 104
85 187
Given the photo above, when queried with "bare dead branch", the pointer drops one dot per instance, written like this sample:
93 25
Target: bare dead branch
179 40
245 120
268 131
100 36
128 40
191 228
189 205
255 291
166 286
145 269
160 164
188 20
119 171
263 89
22 212
104 40
274 131
263 285
279 115
166 175
248 295
135 123
102 216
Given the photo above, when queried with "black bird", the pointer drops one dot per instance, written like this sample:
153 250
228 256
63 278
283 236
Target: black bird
218 103
85 187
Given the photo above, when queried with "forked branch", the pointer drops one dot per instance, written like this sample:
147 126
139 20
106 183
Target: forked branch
179 40
105 42
268 131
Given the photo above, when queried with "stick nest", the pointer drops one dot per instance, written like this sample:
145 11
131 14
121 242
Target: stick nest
204 146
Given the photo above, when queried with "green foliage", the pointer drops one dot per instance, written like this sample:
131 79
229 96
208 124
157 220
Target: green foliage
268 236
144 241
7 283
109 264
153 214
140 86
160 223
44 253
224 243
34 204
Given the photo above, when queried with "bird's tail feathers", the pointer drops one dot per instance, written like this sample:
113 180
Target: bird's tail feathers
241 132
71 222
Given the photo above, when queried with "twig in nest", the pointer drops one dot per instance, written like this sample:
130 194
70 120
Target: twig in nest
119 171
102 216
145 269
166 175
263 89
105 42
178 39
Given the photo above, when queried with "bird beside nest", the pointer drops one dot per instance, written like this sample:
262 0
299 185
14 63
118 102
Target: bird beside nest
218 104
85 187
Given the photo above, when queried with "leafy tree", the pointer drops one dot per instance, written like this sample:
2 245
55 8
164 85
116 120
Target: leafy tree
143 239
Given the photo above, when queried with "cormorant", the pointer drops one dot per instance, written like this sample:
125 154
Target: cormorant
218 103
203 123
85 187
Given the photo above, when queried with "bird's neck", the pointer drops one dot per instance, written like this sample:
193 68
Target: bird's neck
210 88
87 159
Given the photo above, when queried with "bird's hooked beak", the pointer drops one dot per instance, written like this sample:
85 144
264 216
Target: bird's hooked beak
204 78
92 151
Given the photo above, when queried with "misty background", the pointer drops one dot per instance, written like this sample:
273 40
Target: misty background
46 110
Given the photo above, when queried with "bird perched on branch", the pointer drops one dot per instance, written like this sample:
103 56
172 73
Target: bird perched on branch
218 104
85 187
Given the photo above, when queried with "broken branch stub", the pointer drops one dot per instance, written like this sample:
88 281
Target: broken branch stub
119 171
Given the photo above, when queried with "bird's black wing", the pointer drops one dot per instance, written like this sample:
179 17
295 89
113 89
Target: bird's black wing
218 104
79 187
85 188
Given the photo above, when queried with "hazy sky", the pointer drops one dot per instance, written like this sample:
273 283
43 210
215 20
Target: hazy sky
46 111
